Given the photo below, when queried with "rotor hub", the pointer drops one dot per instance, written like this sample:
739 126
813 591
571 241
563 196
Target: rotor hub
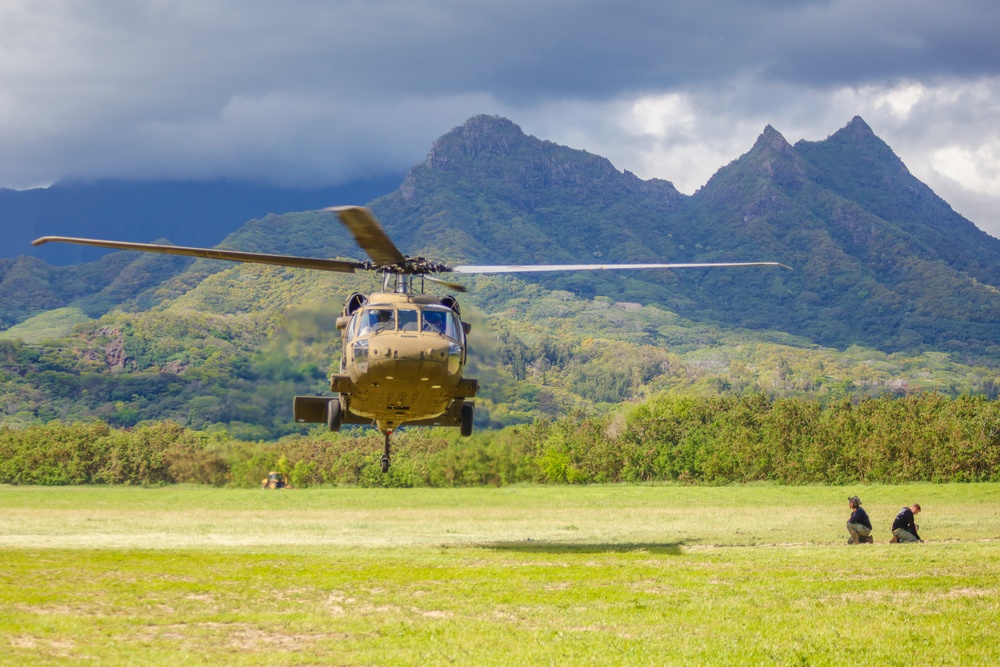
413 266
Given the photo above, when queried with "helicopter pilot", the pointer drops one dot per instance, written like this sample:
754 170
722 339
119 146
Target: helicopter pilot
376 320
435 321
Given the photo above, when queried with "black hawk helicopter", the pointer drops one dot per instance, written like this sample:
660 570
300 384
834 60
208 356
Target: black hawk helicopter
403 350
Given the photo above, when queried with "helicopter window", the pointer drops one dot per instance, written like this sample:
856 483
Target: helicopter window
435 321
352 328
375 320
408 319
442 322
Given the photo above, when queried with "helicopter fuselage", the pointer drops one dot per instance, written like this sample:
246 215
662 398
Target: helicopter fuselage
402 361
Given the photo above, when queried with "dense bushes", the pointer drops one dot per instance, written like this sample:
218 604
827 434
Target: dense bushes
723 439
94 453
690 439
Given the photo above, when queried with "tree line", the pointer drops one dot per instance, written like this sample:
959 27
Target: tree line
667 438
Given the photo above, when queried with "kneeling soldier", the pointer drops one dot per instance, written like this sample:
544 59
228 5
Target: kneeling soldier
903 528
859 526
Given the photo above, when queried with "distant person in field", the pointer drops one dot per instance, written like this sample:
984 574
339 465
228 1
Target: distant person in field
903 528
859 526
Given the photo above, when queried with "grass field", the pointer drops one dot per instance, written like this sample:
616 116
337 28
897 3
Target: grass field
530 575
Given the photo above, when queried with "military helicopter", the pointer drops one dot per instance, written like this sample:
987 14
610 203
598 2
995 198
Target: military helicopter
403 350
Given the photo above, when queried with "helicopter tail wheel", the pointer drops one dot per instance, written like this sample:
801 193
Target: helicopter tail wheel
334 414
468 412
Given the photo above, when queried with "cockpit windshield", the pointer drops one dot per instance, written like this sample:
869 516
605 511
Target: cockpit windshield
408 319
431 319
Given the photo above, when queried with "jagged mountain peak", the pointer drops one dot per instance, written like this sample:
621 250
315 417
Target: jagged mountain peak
857 140
770 148
859 166
771 140
857 133
494 140
479 136
858 127
771 158
492 150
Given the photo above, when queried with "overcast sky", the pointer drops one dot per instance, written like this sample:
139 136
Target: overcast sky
312 92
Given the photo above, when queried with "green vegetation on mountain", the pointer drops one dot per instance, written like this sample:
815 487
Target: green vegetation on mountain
228 354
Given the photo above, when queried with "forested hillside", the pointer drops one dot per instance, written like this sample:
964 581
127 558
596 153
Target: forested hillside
892 292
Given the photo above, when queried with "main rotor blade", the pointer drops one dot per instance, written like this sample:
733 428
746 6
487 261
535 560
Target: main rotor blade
214 253
369 234
449 285
528 268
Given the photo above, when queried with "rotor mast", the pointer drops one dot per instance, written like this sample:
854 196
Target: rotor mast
401 283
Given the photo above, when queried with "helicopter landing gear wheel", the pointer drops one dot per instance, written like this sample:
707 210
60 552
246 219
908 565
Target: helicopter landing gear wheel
468 412
334 414
385 456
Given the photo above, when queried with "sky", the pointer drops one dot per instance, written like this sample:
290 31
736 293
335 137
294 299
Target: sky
319 92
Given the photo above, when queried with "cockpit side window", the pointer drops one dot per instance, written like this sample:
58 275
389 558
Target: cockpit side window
375 320
353 326
408 319
454 328
441 322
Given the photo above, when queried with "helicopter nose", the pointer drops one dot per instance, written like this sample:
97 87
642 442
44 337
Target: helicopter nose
416 360
409 353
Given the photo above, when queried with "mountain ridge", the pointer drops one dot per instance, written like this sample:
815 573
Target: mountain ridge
880 259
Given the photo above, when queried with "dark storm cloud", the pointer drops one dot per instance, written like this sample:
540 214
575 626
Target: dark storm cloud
857 42
526 49
520 50
200 54
311 91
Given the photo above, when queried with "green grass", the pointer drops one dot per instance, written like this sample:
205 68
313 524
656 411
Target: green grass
520 575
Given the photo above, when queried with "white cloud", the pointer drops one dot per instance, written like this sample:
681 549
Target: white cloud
976 169
899 100
663 115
